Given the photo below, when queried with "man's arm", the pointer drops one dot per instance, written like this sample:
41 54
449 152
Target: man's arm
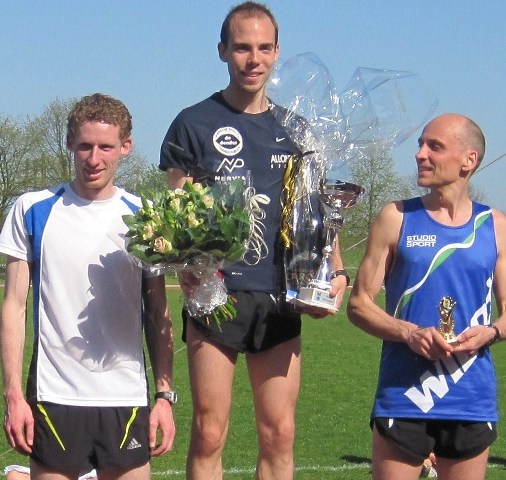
159 339
500 273
176 178
362 309
478 336
18 423
340 283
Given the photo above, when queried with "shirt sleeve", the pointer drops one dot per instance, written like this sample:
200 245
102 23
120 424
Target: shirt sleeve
14 238
179 146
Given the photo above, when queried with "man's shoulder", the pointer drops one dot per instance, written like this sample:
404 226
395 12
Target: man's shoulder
197 109
36 196
132 200
500 223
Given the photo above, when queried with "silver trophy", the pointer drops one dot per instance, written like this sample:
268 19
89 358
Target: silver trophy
334 195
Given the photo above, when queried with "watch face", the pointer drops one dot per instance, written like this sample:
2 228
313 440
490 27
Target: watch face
170 396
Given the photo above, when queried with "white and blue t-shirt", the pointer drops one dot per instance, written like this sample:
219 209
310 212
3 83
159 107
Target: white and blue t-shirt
87 300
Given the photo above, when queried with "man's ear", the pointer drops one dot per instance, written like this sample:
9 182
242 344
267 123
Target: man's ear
126 146
471 161
221 51
70 143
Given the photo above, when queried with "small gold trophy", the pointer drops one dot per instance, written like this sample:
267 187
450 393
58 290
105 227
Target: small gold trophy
446 323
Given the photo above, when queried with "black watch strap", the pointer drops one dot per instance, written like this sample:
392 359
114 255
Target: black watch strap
170 396
337 273
497 335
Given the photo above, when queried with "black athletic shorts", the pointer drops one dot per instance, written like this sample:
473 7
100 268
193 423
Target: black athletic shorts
111 438
261 322
446 438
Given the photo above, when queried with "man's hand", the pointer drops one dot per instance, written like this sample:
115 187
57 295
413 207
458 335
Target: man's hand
474 338
161 419
188 282
429 343
338 287
18 426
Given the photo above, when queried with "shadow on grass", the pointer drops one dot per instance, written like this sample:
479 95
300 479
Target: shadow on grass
355 459
497 461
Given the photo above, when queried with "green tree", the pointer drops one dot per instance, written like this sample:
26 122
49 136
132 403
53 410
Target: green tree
152 180
375 172
16 147
52 162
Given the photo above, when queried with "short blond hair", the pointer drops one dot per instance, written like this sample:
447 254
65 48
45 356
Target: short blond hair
99 108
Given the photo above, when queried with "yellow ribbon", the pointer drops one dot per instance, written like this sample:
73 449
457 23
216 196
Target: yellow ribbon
294 188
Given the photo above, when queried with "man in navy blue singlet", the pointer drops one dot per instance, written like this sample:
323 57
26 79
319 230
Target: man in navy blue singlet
441 258
234 134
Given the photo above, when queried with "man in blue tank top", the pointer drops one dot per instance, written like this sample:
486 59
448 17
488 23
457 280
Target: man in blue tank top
234 134
440 257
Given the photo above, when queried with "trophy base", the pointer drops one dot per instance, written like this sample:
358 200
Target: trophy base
451 339
317 297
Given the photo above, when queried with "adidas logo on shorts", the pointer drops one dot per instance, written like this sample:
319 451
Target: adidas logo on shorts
133 444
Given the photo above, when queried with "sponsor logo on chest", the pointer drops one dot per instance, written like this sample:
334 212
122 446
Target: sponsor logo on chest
229 142
427 240
279 161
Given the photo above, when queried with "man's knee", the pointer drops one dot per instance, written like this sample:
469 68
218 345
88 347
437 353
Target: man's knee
278 437
208 437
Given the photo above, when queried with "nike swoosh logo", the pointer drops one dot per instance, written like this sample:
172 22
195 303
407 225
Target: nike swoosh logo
280 139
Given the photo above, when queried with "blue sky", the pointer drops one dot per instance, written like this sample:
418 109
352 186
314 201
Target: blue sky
160 56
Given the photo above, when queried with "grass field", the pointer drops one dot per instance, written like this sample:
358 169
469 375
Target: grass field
333 437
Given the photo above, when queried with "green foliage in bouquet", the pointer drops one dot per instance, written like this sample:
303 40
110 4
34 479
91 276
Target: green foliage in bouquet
176 226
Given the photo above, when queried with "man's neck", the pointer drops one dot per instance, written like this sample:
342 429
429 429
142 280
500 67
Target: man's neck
449 208
246 102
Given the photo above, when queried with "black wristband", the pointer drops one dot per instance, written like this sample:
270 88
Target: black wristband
497 335
343 272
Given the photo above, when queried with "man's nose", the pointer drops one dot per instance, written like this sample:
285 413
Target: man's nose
421 153
253 56
93 156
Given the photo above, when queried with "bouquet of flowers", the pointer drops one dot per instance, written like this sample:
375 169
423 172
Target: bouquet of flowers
195 228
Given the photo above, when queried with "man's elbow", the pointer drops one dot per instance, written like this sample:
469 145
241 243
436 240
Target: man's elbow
353 309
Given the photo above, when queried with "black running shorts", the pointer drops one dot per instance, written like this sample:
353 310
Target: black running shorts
446 438
261 323
69 437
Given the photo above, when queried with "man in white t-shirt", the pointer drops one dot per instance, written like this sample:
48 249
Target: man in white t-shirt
87 396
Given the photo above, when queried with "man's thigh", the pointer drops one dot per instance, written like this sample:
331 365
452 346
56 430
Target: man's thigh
211 369
275 381
389 462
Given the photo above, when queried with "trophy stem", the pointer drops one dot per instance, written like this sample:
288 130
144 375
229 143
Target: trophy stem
332 223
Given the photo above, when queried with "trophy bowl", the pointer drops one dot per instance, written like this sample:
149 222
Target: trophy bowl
340 194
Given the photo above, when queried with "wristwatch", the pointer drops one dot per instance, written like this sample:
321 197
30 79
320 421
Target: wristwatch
343 272
170 396
497 335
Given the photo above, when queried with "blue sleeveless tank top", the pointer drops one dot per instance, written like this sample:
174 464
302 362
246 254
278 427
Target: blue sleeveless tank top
434 261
